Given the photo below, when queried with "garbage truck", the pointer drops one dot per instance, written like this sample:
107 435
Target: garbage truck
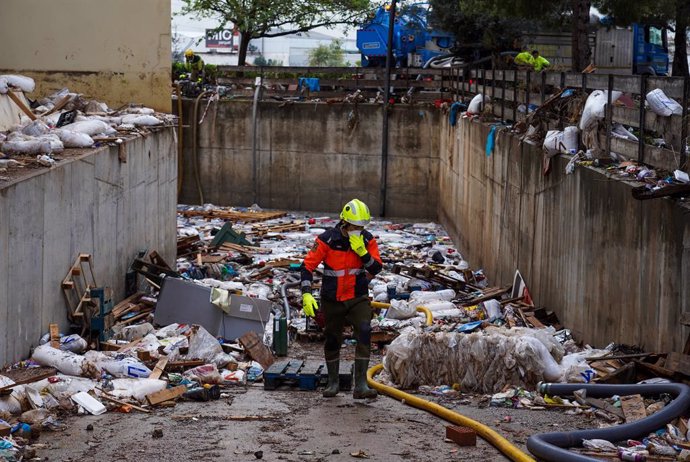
415 43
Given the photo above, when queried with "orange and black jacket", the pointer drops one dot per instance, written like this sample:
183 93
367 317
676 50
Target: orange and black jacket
344 275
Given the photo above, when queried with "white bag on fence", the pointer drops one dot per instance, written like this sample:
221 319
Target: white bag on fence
571 139
595 107
661 104
553 143
475 106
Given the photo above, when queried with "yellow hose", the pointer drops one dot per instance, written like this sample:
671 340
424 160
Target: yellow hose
421 309
491 436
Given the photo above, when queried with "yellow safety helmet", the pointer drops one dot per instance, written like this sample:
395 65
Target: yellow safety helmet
189 53
356 213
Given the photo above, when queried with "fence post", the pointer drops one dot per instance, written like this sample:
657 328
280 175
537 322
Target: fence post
527 88
461 79
609 115
516 98
584 83
684 144
562 80
543 87
483 88
503 95
643 118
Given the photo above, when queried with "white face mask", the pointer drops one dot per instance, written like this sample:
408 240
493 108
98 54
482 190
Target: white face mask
356 232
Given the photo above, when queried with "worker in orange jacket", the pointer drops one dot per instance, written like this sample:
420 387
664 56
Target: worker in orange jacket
347 252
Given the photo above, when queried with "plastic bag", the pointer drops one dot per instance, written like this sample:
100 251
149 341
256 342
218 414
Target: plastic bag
73 343
477 102
118 366
208 373
204 346
141 120
90 127
72 139
662 105
571 139
26 147
131 333
400 309
595 108
36 128
136 388
553 143
24 83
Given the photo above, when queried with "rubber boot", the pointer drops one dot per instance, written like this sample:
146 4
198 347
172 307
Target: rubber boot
362 390
333 386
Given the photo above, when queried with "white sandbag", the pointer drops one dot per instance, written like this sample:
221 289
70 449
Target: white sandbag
131 333
72 139
476 105
571 139
55 142
3 86
136 388
119 366
662 105
36 128
64 361
141 120
435 305
141 110
24 83
13 402
400 309
595 107
553 143
73 343
26 147
90 127
422 296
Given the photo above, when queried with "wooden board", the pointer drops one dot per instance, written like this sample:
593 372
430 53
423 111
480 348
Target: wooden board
256 349
166 395
160 367
633 408
54 336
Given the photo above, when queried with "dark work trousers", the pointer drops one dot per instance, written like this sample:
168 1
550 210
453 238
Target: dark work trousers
356 312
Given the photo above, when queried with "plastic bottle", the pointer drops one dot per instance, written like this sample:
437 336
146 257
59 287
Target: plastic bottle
631 456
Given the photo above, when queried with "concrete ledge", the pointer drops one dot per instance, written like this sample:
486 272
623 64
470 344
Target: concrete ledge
90 203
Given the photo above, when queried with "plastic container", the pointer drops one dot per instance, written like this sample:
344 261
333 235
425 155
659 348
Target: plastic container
280 340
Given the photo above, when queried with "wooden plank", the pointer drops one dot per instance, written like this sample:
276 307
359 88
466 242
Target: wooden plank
159 368
678 362
33 379
633 408
124 403
256 349
166 395
126 303
54 336
20 104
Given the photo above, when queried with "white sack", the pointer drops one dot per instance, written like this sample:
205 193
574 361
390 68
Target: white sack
136 388
90 127
141 120
571 139
475 106
64 361
24 83
553 143
662 105
72 139
595 107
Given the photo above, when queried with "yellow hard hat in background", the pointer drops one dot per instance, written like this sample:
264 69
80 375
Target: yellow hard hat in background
356 213
189 53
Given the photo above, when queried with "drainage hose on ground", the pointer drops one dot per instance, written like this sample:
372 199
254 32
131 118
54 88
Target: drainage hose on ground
420 309
491 436
553 446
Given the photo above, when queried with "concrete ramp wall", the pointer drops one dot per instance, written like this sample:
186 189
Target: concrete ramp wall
313 156
93 204
613 268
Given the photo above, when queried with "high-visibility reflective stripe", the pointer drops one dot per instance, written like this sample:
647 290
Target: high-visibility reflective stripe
341 273
370 262
306 284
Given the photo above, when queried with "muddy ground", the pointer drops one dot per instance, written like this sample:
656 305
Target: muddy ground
286 425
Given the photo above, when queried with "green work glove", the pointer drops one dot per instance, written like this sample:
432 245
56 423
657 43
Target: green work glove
357 244
309 304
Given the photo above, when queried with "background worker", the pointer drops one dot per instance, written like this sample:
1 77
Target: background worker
540 63
524 60
194 65
347 252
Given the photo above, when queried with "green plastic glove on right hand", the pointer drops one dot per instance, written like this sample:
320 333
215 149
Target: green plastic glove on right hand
309 304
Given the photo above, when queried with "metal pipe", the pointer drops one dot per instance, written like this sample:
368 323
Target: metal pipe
283 293
195 135
554 446
386 97
643 118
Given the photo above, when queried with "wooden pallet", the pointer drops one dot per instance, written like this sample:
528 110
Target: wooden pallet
304 375
261 230
77 284
234 215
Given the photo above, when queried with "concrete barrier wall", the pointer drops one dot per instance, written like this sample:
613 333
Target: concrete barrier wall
313 157
613 268
89 204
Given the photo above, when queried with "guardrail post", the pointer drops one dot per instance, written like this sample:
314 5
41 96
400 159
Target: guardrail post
643 118
609 115
684 144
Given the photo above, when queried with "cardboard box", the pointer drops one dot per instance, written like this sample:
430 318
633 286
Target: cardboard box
244 315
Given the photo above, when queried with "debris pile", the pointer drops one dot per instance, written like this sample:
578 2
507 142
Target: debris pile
37 133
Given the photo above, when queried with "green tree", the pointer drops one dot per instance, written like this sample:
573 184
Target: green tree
262 61
274 18
673 13
331 55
